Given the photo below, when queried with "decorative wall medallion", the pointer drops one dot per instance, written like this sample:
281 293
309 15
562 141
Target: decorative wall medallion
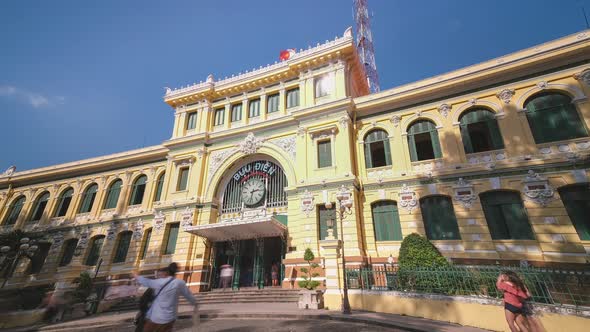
138 229
473 160
563 148
500 156
186 218
583 145
464 193
58 239
542 85
505 95
159 221
408 198
395 120
444 109
250 144
418 114
301 131
288 145
201 152
307 203
380 175
583 76
472 101
545 150
537 189
486 158
344 121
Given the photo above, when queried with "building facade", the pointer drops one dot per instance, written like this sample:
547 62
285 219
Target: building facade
490 162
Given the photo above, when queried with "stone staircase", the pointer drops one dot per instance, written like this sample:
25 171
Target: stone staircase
244 295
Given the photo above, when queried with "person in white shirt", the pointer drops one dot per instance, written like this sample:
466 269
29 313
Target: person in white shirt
226 275
163 311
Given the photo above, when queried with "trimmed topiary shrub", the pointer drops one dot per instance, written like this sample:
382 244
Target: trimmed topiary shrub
308 273
417 252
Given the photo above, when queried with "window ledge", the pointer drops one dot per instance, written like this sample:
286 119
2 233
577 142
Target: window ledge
181 191
325 168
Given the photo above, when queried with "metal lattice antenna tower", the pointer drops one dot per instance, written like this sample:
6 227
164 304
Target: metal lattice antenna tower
364 42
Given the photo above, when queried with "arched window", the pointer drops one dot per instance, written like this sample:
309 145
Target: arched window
439 218
553 117
122 247
68 252
576 199
113 195
88 198
64 202
14 211
480 132
95 248
146 243
138 190
159 187
39 207
377 151
386 221
506 216
423 141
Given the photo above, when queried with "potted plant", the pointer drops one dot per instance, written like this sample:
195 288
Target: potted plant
309 297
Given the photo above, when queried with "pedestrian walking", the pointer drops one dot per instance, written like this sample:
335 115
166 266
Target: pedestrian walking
162 312
515 295
226 275
274 272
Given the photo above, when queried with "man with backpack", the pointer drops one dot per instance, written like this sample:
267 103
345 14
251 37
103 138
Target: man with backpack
160 305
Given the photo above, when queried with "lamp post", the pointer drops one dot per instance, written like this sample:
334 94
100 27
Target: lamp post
343 197
11 255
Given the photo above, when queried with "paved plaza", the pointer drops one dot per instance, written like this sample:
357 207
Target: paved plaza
261 317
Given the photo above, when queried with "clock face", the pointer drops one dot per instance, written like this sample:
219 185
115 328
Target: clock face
253 191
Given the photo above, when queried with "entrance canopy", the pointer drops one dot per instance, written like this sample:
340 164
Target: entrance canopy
240 230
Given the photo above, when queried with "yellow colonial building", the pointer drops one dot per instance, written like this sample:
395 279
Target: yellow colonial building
490 162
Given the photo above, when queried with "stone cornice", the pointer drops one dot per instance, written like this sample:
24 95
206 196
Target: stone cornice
535 57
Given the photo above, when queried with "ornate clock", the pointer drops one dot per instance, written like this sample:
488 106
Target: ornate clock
253 191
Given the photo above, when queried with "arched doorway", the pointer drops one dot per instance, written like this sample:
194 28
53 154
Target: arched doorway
249 230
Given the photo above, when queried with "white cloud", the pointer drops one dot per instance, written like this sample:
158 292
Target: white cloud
34 99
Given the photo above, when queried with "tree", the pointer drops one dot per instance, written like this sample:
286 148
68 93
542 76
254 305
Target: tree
308 274
416 252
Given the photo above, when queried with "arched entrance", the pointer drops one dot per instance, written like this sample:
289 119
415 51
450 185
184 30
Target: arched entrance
249 230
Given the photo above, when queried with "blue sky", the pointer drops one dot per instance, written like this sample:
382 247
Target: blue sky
80 79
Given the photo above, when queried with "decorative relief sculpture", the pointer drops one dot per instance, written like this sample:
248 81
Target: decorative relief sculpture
583 76
186 218
58 239
307 203
542 85
250 144
301 131
138 229
159 221
396 119
464 193
505 95
538 189
287 144
344 121
112 230
444 109
201 152
408 198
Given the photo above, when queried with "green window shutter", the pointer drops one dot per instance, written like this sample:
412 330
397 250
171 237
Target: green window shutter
64 202
88 199
324 154
191 121
182 179
412 148
324 215
435 143
40 206
572 117
172 238
439 218
254 108
94 252
16 208
159 187
495 134
387 148
272 103
146 243
122 247
466 138
386 222
69 250
506 216
553 117
138 190
113 195
368 159
293 98
576 200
